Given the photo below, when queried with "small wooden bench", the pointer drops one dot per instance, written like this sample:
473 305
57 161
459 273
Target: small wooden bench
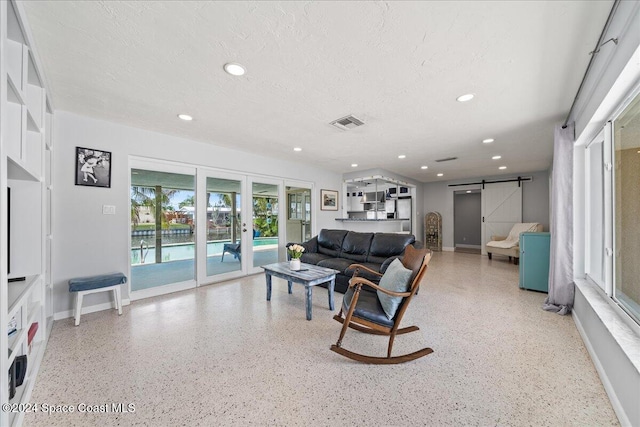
89 285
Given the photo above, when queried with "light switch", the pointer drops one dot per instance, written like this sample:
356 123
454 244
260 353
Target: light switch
108 210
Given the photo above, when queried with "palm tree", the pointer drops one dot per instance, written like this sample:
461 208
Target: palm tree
189 201
147 196
155 198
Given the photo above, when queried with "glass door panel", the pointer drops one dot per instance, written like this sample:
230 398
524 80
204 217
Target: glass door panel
224 225
298 214
266 226
626 203
162 228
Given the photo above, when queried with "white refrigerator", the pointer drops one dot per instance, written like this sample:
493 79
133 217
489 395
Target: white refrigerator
403 211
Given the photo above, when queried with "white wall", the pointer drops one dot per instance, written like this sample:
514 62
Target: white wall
608 65
86 242
438 197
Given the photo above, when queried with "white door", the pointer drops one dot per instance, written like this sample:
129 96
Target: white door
266 231
222 226
298 209
240 215
501 209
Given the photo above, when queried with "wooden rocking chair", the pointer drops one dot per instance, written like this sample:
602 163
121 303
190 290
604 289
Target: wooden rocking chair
363 312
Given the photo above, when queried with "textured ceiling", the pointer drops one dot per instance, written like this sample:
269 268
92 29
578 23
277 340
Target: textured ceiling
398 66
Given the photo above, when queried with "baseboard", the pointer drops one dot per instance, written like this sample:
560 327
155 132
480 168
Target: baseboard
448 249
608 388
89 309
162 290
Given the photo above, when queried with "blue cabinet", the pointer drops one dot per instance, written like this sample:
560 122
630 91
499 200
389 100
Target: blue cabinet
534 261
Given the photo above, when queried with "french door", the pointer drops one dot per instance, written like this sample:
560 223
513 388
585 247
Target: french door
221 243
266 246
240 215
298 213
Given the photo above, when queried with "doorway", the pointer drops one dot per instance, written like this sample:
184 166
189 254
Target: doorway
242 224
265 220
298 214
501 209
223 225
467 224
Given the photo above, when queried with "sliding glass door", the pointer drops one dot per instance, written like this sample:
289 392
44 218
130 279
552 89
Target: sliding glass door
191 223
162 228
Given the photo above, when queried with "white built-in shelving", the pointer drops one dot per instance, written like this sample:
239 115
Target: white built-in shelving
26 158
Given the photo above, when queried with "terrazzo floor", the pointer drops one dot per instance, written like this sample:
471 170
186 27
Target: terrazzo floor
222 356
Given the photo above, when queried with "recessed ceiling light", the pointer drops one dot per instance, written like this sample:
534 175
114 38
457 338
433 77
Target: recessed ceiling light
488 141
440 174
185 117
468 191
424 167
402 156
234 69
496 157
502 167
297 149
354 165
465 97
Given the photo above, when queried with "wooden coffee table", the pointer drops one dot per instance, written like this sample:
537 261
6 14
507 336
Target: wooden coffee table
309 275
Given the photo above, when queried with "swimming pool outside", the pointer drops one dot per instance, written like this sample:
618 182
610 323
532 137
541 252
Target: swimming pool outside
182 251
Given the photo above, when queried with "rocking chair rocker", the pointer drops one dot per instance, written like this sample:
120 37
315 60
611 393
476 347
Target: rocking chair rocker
363 311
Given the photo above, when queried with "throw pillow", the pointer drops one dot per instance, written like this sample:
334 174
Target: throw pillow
395 279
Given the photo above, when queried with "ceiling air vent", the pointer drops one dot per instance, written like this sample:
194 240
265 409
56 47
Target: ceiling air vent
448 159
346 123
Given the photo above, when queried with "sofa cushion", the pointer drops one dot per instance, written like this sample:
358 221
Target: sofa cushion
310 245
313 258
94 282
340 264
385 245
395 279
330 242
368 307
356 246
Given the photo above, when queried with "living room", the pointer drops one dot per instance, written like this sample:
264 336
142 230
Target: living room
264 363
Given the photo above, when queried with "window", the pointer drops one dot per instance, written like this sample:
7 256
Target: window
612 206
626 137
594 212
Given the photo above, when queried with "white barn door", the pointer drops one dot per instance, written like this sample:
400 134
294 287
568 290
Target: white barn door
501 209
